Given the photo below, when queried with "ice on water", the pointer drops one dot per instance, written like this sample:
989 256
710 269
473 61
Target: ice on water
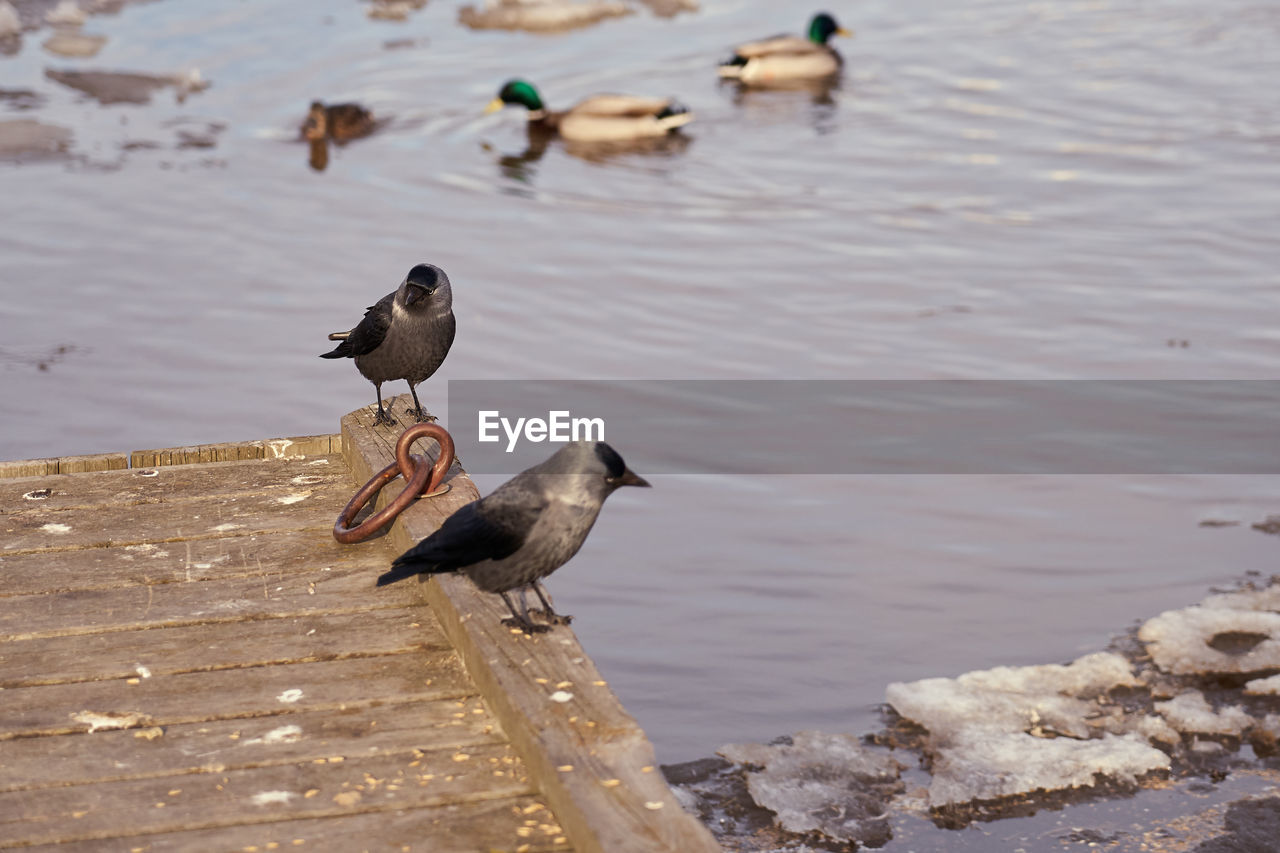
1181 694
821 782
1014 730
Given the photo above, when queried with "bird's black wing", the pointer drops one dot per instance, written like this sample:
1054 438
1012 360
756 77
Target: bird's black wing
488 529
369 334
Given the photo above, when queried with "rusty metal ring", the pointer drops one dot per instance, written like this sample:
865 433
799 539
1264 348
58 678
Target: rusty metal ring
422 480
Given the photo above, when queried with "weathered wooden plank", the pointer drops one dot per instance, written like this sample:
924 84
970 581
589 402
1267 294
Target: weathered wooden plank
216 746
234 599
279 555
338 785
231 694
218 645
586 754
272 448
169 521
63 465
177 482
519 823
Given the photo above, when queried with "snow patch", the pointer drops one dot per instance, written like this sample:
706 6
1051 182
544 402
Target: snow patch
821 782
1014 730
1232 633
108 720
1191 713
283 734
56 529
279 445
10 24
1264 686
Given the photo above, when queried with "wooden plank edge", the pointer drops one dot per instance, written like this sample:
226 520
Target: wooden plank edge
598 811
270 448
63 465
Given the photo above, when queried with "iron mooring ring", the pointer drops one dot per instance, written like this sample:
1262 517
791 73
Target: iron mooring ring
421 480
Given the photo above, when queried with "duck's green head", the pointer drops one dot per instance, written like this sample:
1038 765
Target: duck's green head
823 27
516 92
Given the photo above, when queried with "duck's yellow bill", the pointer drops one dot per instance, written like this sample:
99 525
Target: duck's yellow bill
493 106
842 31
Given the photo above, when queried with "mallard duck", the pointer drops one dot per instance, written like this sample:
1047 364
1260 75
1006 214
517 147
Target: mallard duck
339 122
600 118
787 58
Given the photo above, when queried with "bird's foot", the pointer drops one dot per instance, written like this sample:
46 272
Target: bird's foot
525 625
383 418
551 616
424 418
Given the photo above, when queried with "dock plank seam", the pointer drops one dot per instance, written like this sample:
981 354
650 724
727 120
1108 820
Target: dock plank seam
147 722
218 767
317 658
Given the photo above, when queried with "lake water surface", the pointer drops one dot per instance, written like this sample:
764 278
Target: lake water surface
997 190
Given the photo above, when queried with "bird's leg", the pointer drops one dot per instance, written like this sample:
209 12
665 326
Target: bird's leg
382 418
520 618
418 413
547 611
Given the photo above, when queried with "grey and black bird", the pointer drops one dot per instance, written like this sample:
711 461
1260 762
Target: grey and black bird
405 335
525 530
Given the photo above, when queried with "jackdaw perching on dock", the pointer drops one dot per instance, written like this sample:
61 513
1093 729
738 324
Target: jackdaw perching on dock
406 335
525 530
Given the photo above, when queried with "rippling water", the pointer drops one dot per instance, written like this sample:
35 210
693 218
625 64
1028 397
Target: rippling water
996 190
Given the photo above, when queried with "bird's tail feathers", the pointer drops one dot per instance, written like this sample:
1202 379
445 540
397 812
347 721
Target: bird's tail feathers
674 115
732 67
403 568
342 350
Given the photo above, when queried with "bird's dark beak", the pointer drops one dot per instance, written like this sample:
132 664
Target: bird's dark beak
630 478
416 293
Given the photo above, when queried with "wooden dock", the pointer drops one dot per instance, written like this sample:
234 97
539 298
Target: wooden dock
189 661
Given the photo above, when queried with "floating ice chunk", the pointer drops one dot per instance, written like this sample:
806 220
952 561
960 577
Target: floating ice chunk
539 15
827 783
1156 729
987 764
393 10
1264 686
1024 698
1236 632
27 139
74 44
1014 730
10 24
67 12
1191 713
670 8
119 87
